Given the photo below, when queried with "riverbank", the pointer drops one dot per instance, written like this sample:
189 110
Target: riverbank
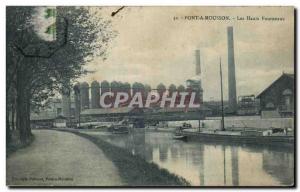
15 144
61 159
134 170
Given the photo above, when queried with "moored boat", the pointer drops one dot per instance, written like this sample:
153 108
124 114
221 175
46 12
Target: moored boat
178 134
186 126
179 137
249 137
120 129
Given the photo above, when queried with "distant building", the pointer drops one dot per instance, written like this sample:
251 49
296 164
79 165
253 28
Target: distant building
52 113
279 96
216 107
248 105
140 115
81 105
195 85
179 114
60 122
113 115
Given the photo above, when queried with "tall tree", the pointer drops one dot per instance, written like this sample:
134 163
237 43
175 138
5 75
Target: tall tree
37 67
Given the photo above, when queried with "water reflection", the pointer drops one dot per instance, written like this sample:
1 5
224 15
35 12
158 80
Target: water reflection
235 166
209 164
279 164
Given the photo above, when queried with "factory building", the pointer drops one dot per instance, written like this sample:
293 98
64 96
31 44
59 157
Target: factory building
84 102
57 112
113 115
248 105
278 99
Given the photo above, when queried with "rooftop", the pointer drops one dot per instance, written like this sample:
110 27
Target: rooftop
102 111
289 75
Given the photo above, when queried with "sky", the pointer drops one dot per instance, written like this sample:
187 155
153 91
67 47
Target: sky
152 48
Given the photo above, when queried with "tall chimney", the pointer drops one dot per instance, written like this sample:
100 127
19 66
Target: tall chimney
198 67
231 72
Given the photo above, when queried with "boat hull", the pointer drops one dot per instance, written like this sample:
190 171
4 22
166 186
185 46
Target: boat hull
180 137
257 140
120 132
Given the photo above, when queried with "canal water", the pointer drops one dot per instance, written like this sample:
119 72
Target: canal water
209 164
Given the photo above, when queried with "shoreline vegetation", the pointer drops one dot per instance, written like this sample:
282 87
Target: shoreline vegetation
134 170
15 145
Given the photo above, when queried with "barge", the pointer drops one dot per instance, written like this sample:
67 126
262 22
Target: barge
248 137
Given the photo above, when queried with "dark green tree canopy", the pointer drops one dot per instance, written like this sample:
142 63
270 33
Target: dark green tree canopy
36 68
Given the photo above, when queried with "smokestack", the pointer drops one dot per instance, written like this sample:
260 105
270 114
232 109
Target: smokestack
198 87
198 67
231 72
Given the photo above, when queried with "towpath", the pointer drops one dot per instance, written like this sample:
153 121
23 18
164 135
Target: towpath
60 159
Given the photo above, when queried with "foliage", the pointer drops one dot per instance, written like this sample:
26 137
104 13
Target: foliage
38 68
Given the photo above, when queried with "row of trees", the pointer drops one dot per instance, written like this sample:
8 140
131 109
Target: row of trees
37 69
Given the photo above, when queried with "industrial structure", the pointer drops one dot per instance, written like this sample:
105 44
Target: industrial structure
278 99
58 111
94 112
82 104
84 95
232 101
95 94
248 105
195 82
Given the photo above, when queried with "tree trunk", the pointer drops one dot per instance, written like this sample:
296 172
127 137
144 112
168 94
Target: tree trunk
8 126
28 127
13 116
8 131
21 117
22 109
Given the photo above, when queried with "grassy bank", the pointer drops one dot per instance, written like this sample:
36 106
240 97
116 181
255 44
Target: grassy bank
134 170
16 145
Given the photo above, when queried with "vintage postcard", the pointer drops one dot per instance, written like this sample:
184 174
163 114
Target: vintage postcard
150 96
